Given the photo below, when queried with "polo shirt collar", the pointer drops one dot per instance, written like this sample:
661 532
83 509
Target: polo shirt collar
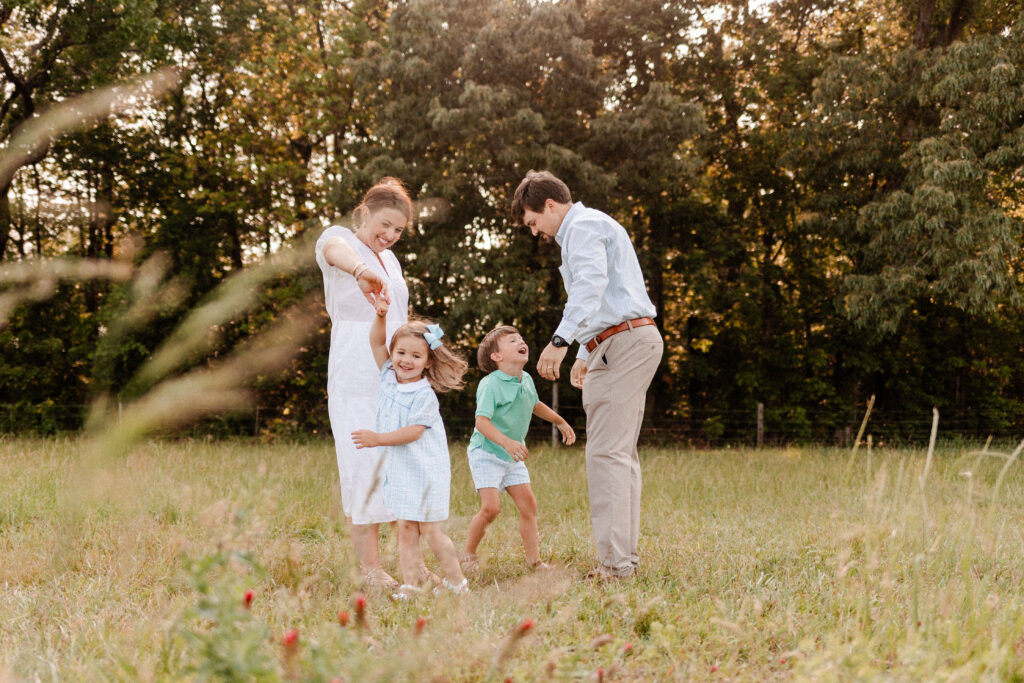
505 377
569 216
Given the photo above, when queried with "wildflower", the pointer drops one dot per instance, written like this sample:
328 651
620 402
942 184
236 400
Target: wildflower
247 599
291 640
509 644
627 648
421 621
714 668
343 618
359 602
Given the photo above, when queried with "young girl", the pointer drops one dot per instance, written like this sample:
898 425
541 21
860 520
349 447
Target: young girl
417 470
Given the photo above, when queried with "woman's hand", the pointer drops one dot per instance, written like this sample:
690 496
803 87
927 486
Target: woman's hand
373 287
365 438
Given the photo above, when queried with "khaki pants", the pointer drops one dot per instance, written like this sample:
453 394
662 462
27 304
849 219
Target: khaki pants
619 371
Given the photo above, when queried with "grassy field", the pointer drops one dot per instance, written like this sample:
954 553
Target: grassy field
757 565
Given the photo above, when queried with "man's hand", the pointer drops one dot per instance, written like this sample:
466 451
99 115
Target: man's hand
518 451
365 438
578 373
373 286
550 360
568 435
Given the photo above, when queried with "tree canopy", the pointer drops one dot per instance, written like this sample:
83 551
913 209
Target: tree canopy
824 196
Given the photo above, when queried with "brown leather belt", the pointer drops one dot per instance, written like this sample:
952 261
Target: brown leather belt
628 325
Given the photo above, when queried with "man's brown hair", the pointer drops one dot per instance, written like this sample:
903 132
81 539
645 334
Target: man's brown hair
535 189
489 345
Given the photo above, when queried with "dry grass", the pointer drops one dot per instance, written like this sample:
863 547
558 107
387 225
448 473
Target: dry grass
757 565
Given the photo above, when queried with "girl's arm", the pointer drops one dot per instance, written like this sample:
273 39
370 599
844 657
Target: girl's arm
542 411
517 450
366 438
379 333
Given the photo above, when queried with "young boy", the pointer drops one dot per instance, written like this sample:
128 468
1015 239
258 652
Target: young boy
505 401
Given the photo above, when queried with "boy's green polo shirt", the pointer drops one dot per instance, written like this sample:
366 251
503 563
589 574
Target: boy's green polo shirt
508 402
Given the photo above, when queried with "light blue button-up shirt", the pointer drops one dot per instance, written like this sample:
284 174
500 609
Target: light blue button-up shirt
601 275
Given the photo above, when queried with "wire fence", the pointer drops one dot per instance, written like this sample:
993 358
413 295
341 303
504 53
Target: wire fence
760 425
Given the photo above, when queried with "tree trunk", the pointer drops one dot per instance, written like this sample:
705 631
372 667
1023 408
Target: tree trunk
958 16
5 219
925 16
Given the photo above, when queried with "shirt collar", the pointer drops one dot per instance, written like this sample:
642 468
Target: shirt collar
505 377
413 386
569 216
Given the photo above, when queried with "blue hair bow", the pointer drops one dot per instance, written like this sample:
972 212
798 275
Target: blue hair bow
433 336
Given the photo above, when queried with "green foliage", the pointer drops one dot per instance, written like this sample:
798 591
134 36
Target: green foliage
222 639
824 196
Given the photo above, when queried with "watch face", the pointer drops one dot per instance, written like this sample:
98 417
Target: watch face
558 341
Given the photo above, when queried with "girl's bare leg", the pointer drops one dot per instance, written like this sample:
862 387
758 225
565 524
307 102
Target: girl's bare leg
444 550
522 496
409 555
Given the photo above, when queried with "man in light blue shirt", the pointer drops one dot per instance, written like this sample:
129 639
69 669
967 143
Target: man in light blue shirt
610 314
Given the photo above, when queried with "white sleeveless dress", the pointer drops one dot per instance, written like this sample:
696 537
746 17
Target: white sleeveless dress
353 378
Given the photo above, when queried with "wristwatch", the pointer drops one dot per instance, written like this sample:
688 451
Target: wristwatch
558 342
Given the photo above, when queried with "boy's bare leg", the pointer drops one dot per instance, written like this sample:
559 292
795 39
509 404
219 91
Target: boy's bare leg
526 502
444 550
490 505
409 556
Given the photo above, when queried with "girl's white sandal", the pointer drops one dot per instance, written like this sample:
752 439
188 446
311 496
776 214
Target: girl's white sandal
406 591
460 588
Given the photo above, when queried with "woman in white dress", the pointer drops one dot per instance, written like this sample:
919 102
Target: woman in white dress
357 267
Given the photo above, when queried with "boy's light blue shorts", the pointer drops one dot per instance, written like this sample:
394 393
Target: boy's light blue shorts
491 472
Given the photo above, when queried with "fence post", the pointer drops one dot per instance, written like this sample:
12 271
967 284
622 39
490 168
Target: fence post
760 425
554 407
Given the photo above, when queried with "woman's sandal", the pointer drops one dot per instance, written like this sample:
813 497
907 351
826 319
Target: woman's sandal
380 579
539 566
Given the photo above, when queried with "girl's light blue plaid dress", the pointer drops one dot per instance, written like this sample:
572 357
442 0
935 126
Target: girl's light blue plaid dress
417 475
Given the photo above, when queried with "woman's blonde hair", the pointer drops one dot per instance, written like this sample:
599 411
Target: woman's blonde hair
446 367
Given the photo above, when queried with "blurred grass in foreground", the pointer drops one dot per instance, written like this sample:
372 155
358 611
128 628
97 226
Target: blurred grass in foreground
775 564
